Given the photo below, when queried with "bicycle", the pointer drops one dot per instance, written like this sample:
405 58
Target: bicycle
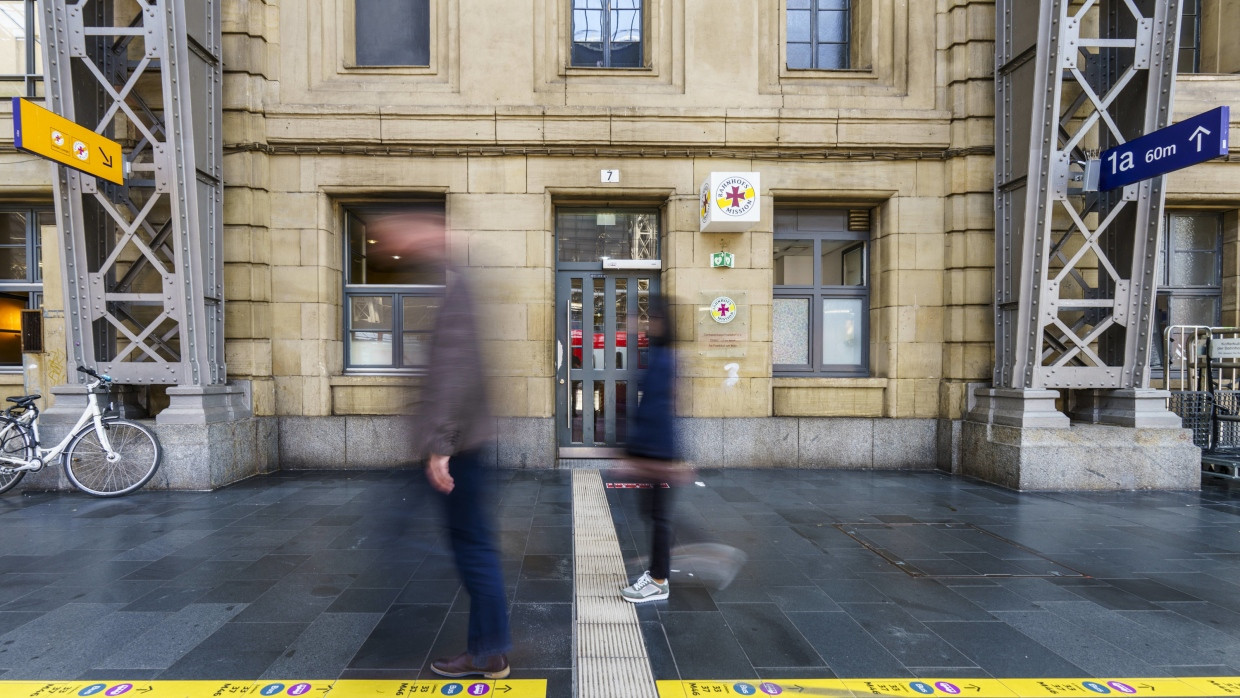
104 455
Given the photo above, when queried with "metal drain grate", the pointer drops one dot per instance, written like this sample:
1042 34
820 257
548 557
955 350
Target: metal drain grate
953 550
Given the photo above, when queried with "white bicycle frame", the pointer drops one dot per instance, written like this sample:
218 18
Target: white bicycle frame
42 455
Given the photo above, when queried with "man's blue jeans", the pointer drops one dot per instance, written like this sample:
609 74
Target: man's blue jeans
469 513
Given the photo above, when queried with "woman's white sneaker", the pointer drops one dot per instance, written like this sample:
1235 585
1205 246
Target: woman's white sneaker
646 589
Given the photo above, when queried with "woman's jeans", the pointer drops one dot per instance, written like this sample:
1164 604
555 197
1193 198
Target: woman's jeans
659 507
468 511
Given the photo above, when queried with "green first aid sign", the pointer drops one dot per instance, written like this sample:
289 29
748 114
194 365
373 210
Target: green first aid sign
722 259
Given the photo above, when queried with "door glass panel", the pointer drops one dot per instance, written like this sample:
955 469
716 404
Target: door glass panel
370 336
622 323
600 413
575 417
841 331
622 411
790 331
600 323
575 322
643 322
794 262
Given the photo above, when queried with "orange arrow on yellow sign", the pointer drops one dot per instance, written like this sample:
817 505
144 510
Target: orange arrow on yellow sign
46 133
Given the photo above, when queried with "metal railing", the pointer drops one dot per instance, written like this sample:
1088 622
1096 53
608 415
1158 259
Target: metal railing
1201 370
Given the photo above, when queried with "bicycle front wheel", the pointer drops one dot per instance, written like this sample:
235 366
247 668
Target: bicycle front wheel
135 456
15 442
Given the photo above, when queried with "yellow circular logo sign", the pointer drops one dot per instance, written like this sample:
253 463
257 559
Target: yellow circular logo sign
723 310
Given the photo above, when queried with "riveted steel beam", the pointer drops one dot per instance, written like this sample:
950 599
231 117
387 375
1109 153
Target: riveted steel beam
1075 269
143 261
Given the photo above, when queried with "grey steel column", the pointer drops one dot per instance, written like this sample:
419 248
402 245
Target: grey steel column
1074 268
143 265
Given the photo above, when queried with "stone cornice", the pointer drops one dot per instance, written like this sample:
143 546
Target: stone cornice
610 151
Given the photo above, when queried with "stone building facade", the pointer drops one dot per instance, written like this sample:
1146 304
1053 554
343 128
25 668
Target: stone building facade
882 153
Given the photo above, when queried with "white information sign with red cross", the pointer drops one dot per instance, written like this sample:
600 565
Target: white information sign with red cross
730 202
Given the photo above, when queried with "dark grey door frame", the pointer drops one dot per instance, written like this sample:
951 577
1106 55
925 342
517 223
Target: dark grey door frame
613 371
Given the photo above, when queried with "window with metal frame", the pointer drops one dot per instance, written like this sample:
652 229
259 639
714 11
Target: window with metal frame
607 34
21 56
391 33
1190 275
389 302
21 274
1190 37
819 34
821 307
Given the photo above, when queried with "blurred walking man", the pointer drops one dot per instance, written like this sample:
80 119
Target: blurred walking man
454 425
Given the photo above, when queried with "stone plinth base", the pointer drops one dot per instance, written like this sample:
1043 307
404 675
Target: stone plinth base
207 456
362 442
1080 457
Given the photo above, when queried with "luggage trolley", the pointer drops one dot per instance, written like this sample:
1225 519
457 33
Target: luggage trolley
1222 457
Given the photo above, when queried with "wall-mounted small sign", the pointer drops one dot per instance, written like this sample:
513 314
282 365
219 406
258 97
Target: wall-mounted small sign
729 202
1225 348
722 259
609 176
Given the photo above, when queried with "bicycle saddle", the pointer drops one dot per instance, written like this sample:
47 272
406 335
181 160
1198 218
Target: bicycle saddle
24 400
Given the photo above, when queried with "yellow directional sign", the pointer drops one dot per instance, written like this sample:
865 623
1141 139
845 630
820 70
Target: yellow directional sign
1182 687
326 688
46 133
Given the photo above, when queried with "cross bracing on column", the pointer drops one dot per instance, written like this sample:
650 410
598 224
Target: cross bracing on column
143 272
1074 268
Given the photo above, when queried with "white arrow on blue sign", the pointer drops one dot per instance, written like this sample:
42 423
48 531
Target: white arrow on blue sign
1193 140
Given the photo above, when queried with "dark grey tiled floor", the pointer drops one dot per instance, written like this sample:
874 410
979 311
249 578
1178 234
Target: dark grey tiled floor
297 574
1160 597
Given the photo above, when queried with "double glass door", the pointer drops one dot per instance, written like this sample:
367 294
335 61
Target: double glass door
601 350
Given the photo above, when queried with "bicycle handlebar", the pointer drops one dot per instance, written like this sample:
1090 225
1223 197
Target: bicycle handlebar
104 378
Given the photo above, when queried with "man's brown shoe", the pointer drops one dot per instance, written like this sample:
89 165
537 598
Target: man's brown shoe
496 667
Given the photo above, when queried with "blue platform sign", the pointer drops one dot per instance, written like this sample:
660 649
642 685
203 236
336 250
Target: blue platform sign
1193 140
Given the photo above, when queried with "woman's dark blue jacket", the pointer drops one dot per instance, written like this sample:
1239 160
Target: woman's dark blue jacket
653 433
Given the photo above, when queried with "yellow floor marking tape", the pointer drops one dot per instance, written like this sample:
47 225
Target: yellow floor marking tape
504 688
974 688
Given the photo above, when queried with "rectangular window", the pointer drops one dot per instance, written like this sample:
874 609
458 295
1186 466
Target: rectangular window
390 303
21 57
592 235
819 34
821 293
21 275
1190 37
1190 275
607 34
393 32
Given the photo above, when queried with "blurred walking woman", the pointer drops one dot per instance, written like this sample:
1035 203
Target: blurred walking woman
653 451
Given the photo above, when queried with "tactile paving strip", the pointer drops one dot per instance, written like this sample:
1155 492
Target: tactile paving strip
611 655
